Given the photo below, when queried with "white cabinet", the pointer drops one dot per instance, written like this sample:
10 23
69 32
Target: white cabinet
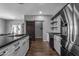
24 46
6 51
3 51
10 50
18 48
57 44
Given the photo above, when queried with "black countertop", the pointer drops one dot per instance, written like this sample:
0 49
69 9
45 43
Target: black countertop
51 34
13 38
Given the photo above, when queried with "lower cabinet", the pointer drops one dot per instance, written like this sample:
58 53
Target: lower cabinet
24 46
51 43
18 48
57 44
7 51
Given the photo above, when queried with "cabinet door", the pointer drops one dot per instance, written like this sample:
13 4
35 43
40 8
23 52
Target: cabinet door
24 46
10 50
57 45
16 49
30 28
21 50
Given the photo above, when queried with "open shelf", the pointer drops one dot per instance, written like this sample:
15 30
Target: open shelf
53 28
54 22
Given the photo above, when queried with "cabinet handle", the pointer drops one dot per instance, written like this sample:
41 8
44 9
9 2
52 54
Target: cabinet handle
24 43
3 53
17 48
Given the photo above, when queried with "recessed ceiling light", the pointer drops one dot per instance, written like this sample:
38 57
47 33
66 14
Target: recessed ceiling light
40 12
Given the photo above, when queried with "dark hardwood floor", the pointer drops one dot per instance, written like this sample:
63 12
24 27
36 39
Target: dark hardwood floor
40 48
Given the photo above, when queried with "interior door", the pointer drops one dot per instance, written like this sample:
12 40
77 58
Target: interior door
30 28
38 30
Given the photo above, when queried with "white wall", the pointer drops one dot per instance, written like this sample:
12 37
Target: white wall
46 28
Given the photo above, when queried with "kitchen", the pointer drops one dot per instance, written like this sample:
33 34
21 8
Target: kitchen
27 31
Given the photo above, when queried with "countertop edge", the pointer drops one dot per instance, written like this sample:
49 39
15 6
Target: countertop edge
13 41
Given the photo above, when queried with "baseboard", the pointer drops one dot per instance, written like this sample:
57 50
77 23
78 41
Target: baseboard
46 40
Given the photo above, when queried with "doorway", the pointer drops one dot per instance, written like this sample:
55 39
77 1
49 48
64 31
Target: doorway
39 30
35 30
30 29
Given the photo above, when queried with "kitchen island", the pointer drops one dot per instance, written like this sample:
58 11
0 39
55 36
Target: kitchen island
14 45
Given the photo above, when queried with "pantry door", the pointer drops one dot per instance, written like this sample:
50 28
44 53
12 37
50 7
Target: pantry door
30 28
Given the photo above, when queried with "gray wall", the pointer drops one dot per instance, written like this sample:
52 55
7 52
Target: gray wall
2 26
2 31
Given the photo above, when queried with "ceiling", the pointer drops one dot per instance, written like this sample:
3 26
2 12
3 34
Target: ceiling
18 10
